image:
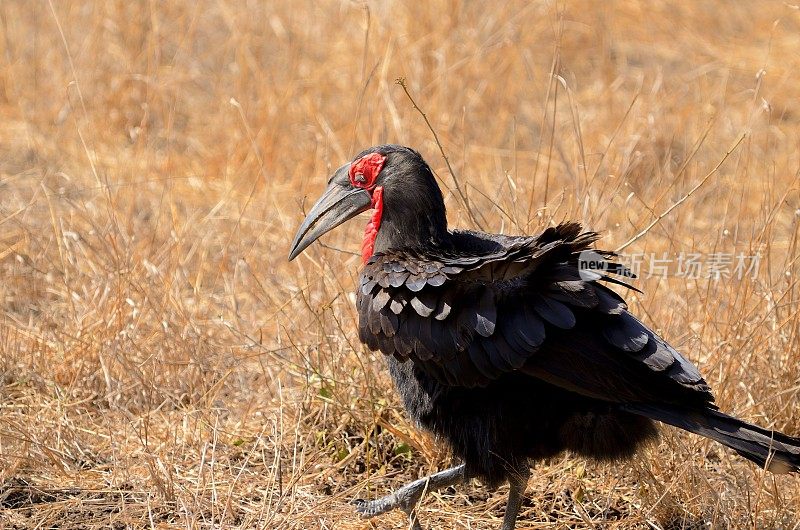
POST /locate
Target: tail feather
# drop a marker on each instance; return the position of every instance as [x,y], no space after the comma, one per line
[771,450]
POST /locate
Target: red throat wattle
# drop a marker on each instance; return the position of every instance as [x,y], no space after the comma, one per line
[374,224]
[363,174]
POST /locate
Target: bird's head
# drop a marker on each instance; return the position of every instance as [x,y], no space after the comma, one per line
[397,184]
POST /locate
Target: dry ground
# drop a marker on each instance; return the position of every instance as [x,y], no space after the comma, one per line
[162,365]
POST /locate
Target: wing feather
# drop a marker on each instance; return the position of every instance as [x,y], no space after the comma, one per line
[424,303]
[554,312]
[380,299]
[504,303]
[481,360]
[389,323]
[625,332]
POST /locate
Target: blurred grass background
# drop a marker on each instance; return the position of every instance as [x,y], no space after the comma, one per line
[162,365]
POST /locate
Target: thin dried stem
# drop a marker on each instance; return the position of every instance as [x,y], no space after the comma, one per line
[683,199]
[402,82]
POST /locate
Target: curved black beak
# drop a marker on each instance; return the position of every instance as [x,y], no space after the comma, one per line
[338,204]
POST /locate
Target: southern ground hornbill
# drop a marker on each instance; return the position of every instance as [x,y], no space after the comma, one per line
[503,346]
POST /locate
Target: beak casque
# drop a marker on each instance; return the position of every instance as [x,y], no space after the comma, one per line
[338,204]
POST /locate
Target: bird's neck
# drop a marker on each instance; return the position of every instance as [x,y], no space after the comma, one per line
[408,222]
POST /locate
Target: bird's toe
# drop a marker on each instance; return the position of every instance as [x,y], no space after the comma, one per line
[365,508]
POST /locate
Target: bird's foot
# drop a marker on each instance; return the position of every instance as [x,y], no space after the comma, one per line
[406,498]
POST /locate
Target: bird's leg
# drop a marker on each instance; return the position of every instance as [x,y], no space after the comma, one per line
[406,498]
[517,482]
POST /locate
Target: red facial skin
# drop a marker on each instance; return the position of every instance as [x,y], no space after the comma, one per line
[363,174]
[374,224]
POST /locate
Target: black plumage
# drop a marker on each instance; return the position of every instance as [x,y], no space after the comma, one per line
[503,349]
[527,357]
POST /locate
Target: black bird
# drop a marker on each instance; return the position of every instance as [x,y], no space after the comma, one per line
[506,347]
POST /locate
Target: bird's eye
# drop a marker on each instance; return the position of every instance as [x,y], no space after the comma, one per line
[360,178]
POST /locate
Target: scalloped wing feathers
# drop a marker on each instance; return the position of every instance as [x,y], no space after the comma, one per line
[467,318]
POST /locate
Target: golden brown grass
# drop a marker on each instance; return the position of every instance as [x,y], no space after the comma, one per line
[164,366]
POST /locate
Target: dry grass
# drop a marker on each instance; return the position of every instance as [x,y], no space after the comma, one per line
[164,366]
